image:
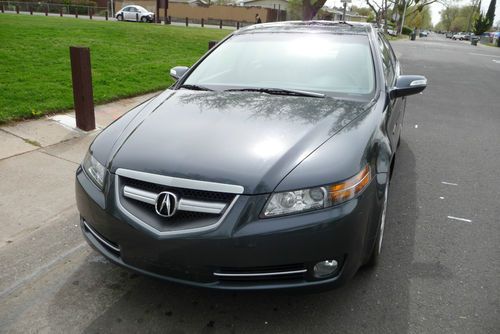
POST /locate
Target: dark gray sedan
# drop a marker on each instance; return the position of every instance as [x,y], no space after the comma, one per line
[265,166]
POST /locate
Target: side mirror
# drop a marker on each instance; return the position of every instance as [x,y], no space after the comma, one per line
[408,85]
[178,71]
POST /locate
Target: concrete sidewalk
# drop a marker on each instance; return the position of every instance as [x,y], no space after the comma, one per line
[38,159]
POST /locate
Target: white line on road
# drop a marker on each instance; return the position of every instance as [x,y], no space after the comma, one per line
[484,55]
[449,183]
[461,219]
[40,270]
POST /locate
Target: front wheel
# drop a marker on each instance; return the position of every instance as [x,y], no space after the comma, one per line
[375,254]
[144,19]
[119,17]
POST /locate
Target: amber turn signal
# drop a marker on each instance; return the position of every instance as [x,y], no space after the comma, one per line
[346,190]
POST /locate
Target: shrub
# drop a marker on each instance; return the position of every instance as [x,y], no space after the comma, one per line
[406,30]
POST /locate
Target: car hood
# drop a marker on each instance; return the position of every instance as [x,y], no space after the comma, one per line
[249,139]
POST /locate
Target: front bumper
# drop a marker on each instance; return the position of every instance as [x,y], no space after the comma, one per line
[242,243]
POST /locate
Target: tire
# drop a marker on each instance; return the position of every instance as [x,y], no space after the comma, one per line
[377,245]
[119,17]
[144,19]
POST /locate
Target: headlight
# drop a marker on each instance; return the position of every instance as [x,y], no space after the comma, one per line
[316,198]
[94,170]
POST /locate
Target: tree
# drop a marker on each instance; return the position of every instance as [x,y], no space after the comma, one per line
[481,25]
[448,15]
[310,8]
[490,14]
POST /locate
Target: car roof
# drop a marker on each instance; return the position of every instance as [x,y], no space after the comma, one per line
[335,27]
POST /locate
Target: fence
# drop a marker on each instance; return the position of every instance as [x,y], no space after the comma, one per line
[53,8]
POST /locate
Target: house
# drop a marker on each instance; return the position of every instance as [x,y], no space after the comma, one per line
[336,14]
[273,4]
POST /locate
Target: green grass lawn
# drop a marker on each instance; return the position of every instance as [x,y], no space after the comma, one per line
[127,59]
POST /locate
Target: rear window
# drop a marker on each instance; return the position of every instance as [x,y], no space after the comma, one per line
[338,65]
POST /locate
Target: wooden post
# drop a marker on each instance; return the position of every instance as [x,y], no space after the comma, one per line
[90,13]
[136,17]
[165,14]
[237,25]
[220,24]
[106,15]
[3,9]
[61,12]
[76,13]
[187,22]
[47,10]
[211,44]
[31,10]
[17,9]
[157,11]
[202,22]
[82,87]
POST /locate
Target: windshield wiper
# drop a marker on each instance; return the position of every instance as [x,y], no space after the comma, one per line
[277,91]
[195,87]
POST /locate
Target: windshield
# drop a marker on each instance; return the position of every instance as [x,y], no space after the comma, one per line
[336,65]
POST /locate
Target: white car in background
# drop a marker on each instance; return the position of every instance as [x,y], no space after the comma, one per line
[459,36]
[135,13]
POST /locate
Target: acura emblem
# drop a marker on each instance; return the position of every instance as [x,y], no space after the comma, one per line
[166,204]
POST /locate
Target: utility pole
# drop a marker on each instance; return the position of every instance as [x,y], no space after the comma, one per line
[345,9]
[403,18]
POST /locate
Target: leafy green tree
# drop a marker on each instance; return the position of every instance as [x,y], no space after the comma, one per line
[490,14]
[482,25]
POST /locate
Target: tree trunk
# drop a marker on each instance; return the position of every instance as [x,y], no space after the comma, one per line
[310,9]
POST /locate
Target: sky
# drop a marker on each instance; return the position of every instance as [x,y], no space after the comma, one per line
[435,7]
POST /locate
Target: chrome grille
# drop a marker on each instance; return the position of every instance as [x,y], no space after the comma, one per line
[197,210]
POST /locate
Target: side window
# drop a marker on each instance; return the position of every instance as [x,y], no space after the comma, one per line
[387,62]
[126,9]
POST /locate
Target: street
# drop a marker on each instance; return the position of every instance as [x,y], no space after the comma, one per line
[440,265]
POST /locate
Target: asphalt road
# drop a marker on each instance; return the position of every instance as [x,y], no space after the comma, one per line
[437,274]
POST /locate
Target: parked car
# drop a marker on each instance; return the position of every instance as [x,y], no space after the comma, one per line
[135,13]
[449,34]
[469,35]
[459,36]
[265,166]
[423,33]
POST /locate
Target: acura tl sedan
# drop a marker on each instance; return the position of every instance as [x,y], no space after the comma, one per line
[265,166]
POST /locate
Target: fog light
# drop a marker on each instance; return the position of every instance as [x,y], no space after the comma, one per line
[325,268]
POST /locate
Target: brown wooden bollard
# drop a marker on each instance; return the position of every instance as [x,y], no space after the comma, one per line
[202,22]
[136,17]
[106,15]
[211,44]
[169,19]
[76,13]
[237,25]
[90,13]
[47,10]
[187,22]
[3,10]
[220,24]
[17,9]
[82,87]
[61,12]
[31,10]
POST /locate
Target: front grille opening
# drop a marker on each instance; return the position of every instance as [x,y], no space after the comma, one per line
[109,245]
[182,220]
